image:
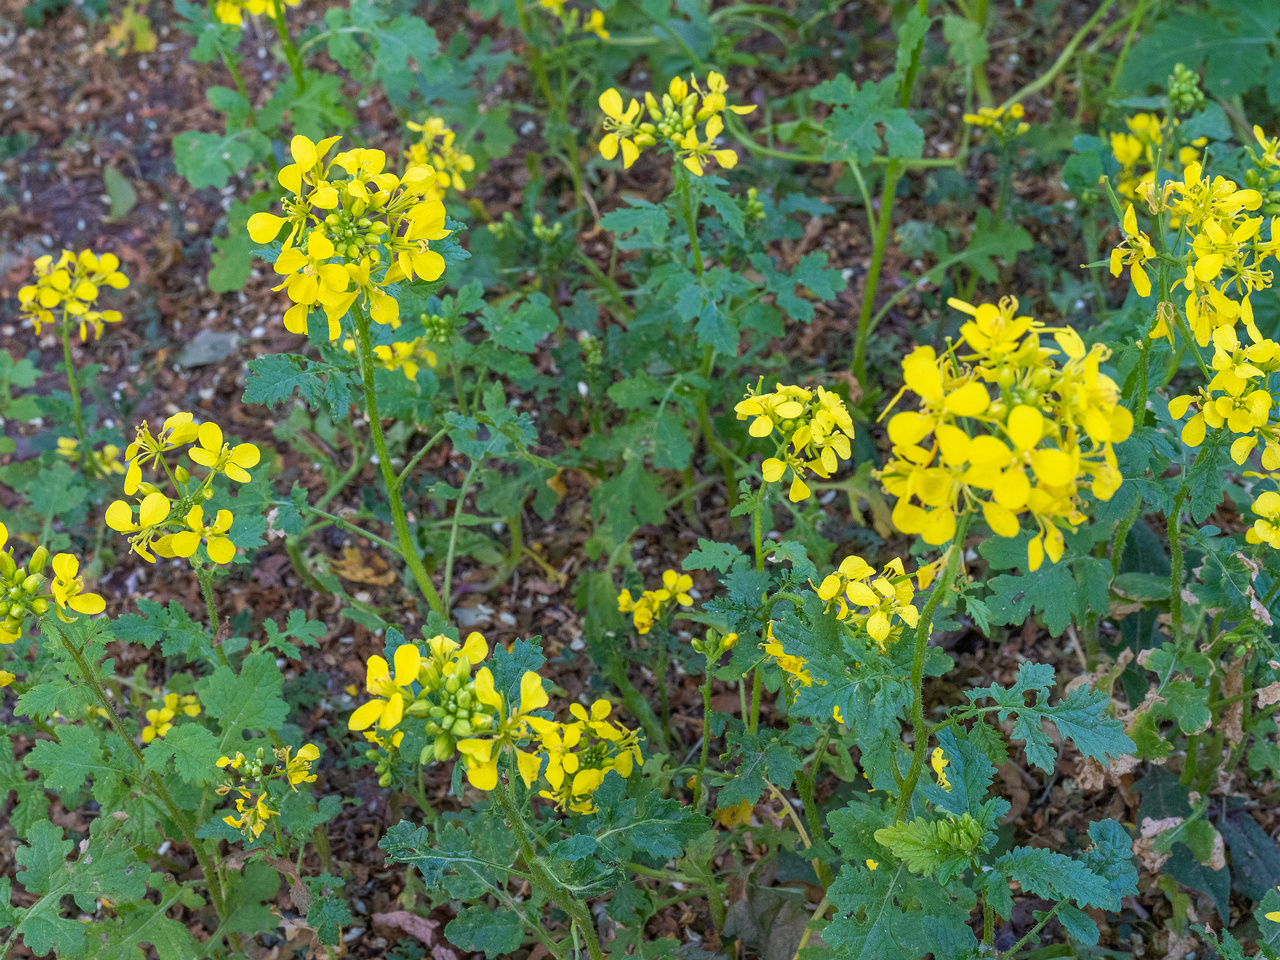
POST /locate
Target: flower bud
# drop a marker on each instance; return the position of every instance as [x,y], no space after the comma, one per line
[437,712]
[451,685]
[419,709]
[442,749]
[38,560]
[8,566]
[182,474]
[32,583]
[384,780]
[432,728]
[461,729]
[464,699]
[448,722]
[40,606]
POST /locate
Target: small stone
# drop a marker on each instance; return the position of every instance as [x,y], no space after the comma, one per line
[208,346]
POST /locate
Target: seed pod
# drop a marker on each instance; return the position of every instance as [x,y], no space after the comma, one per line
[38,560]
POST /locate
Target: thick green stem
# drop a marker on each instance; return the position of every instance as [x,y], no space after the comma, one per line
[1174,534]
[884,219]
[286,42]
[408,549]
[86,459]
[925,627]
[205,577]
[552,887]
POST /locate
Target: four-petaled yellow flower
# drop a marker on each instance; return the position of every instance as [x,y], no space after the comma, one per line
[220,457]
[480,754]
[68,589]
[184,543]
[387,707]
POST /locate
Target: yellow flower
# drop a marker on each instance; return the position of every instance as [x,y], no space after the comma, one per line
[1139,251]
[387,707]
[159,722]
[311,280]
[620,127]
[738,814]
[298,768]
[220,457]
[6,678]
[693,153]
[1005,122]
[185,542]
[872,864]
[148,451]
[72,285]
[595,24]
[938,760]
[68,589]
[792,665]
[1266,529]
[152,512]
[480,755]
[253,816]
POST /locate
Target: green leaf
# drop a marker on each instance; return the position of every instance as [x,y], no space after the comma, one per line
[171,626]
[249,701]
[713,556]
[194,749]
[143,922]
[497,933]
[275,377]
[57,491]
[309,633]
[648,221]
[1082,717]
[810,274]
[627,501]
[520,330]
[761,757]
[64,765]
[232,260]
[328,915]
[966,40]
[119,191]
[655,826]
[854,127]
[250,894]
[1146,587]
[1053,876]
[208,160]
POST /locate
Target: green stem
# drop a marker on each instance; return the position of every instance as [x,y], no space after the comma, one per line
[408,549]
[86,460]
[458,387]
[551,887]
[925,627]
[757,684]
[892,174]
[616,672]
[806,784]
[1042,81]
[699,790]
[1013,951]
[205,576]
[757,540]
[1175,565]
[417,457]
[286,42]
[453,531]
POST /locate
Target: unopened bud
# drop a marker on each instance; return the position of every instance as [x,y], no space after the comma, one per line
[442,749]
[38,560]
[8,566]
[419,709]
[40,606]
[32,583]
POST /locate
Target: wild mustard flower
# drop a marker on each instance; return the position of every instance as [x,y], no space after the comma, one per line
[1005,429]
[1135,250]
[886,598]
[389,692]
[1266,529]
[582,752]
[297,769]
[232,11]
[23,589]
[1005,122]
[480,754]
[175,527]
[793,665]
[371,225]
[447,162]
[814,431]
[71,285]
[672,122]
[404,356]
[1136,148]
[654,605]
[106,462]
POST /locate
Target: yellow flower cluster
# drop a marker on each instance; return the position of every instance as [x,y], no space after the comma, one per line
[1136,148]
[403,356]
[26,591]
[1004,429]
[104,462]
[1005,122]
[569,19]
[814,433]
[444,160]
[672,121]
[160,717]
[581,753]
[793,665]
[653,605]
[232,11]
[885,598]
[254,777]
[176,527]
[468,717]
[343,216]
[71,286]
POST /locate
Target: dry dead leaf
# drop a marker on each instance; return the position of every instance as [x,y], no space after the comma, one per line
[360,567]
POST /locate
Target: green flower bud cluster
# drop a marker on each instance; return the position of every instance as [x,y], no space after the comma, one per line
[451,708]
[351,233]
[715,645]
[592,350]
[20,589]
[1185,94]
[1266,180]
[753,209]
[437,329]
[505,227]
[673,121]
[543,232]
[963,834]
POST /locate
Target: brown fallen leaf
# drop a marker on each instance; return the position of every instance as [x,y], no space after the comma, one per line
[360,567]
[412,924]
